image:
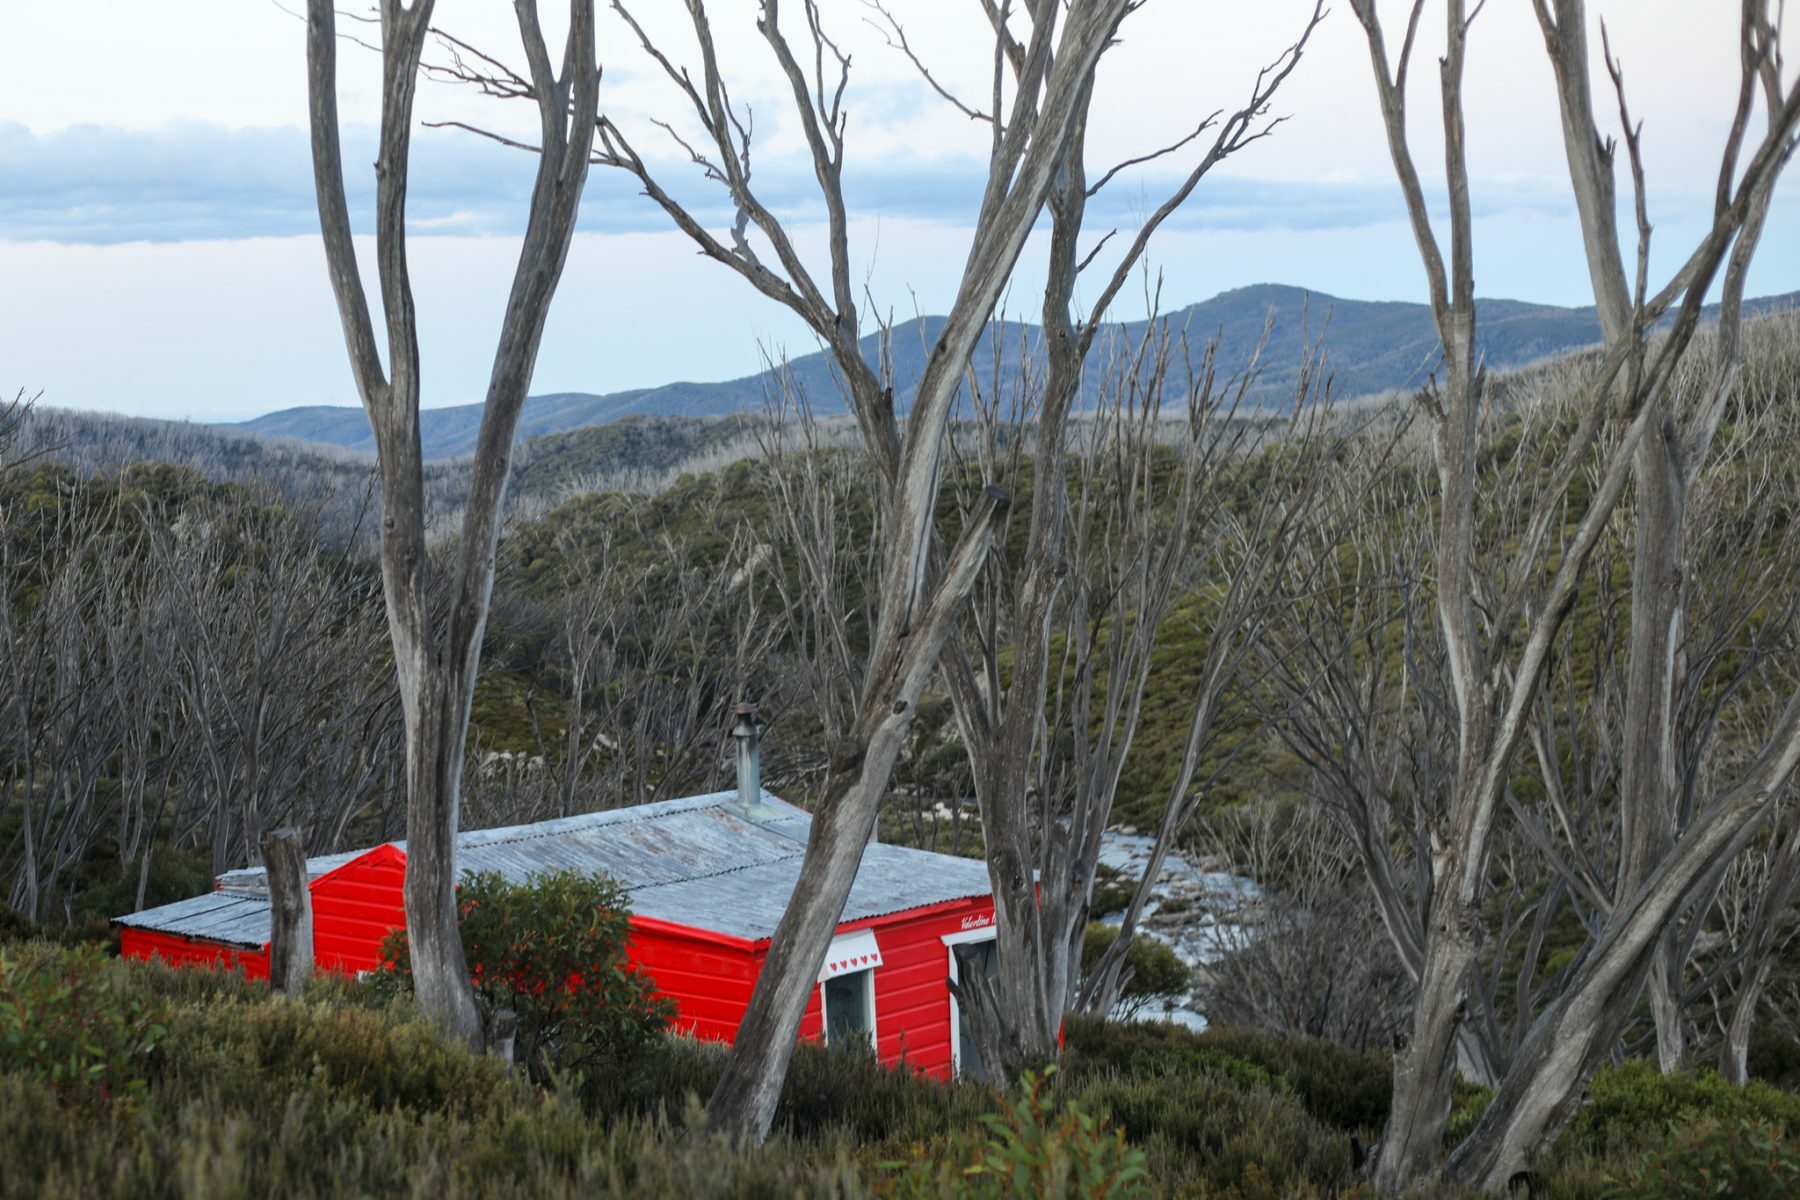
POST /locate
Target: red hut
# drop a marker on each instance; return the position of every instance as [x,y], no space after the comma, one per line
[709,877]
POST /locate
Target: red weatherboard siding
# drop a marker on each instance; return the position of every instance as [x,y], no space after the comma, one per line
[708,975]
[912,990]
[180,951]
[354,909]
[709,979]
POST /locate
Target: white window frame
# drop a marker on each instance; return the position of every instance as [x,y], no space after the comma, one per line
[857,946]
[868,974]
[985,933]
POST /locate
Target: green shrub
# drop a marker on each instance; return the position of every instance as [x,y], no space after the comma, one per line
[15,926]
[258,1053]
[1032,1149]
[1207,1129]
[313,1145]
[1150,1050]
[1346,1088]
[678,1069]
[1774,1056]
[844,1089]
[1113,890]
[1633,1104]
[1746,1159]
[552,950]
[1339,1087]
[70,1019]
[1468,1104]
[1158,976]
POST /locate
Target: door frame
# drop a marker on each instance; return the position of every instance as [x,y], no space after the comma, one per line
[985,933]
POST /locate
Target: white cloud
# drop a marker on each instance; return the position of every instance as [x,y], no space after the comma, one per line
[157,222]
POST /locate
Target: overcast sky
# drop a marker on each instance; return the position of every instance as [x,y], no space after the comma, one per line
[158,237]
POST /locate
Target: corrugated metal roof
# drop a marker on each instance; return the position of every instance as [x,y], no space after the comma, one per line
[748,903]
[232,917]
[255,880]
[696,861]
[646,846]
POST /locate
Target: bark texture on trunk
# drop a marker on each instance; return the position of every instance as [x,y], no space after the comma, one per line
[1491,692]
[1760,957]
[290,911]
[1054,75]
[1575,1033]
[1028,817]
[1659,872]
[436,660]
[743,1104]
[1734,1049]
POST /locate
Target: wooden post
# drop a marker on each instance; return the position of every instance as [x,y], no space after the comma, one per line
[503,1032]
[290,911]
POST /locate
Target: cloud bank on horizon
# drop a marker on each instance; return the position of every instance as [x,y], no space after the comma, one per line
[197,181]
[158,227]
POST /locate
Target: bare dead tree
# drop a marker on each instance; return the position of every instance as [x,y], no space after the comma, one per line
[13,413]
[1029,821]
[436,659]
[1238,552]
[274,680]
[1363,696]
[179,665]
[919,598]
[1755,926]
[1498,642]
[1671,457]
[1146,478]
[822,560]
[1304,954]
[290,911]
[1660,870]
[60,733]
[1737,625]
[139,650]
[651,642]
[1356,686]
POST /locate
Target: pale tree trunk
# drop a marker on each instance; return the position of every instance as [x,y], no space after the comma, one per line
[1668,463]
[1575,1033]
[1041,917]
[914,619]
[1760,955]
[1734,1050]
[290,911]
[1491,693]
[436,661]
[1056,62]
[1648,777]
[1649,782]
[1660,872]
[744,1104]
[1375,731]
[1424,1066]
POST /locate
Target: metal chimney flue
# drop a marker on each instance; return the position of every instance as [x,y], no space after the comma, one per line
[748,732]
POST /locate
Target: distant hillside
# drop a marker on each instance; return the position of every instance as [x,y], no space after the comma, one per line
[1372,347]
[632,453]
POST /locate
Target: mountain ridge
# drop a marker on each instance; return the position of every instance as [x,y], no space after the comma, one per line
[1371,346]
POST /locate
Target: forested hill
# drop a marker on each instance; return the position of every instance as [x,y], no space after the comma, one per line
[1373,347]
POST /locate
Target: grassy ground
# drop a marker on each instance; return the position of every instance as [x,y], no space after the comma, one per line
[123,1079]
